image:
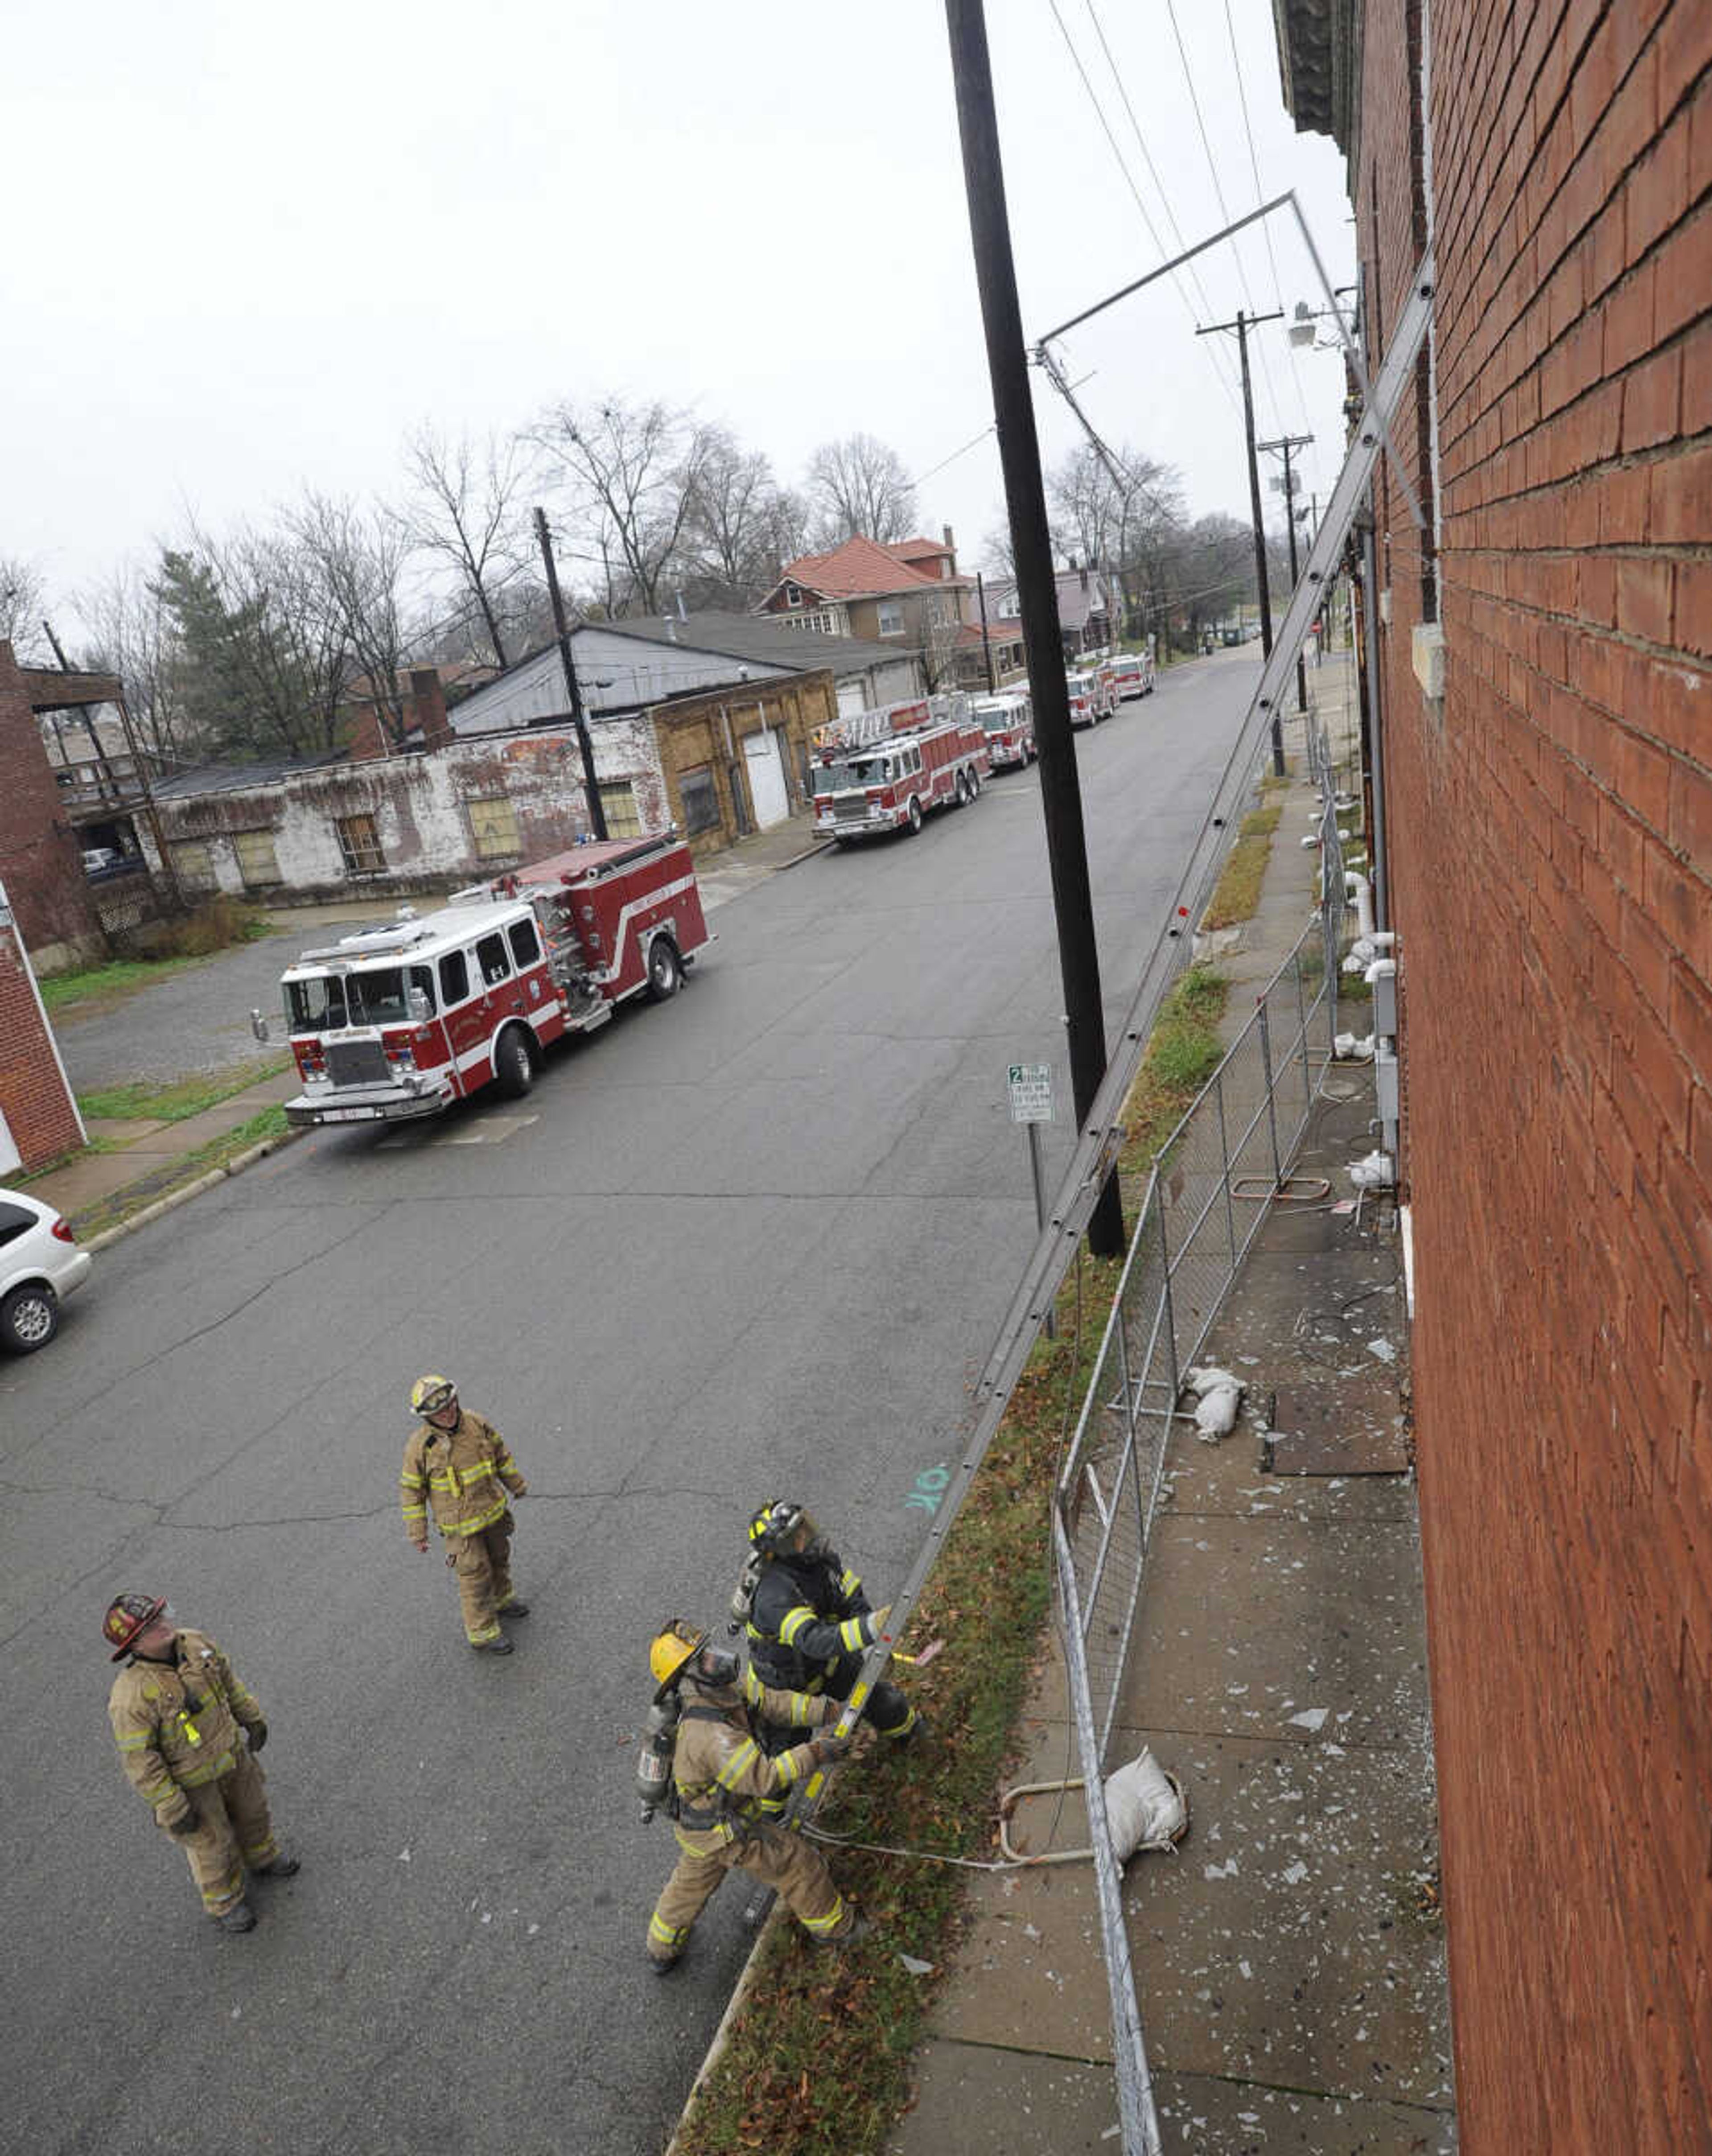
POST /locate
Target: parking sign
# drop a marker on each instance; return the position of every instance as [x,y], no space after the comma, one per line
[1031,1092]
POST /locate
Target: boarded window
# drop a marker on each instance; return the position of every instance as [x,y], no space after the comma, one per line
[256,861]
[193,861]
[493,821]
[700,798]
[455,977]
[360,843]
[618,806]
[525,944]
[494,966]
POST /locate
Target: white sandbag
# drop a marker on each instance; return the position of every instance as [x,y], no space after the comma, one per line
[1374,1171]
[1349,1048]
[1143,1807]
[1216,1412]
[1205,1377]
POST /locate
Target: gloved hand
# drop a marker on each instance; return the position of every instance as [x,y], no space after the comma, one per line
[258,1735]
[183,1826]
[875,1621]
[829,1746]
[420,1548]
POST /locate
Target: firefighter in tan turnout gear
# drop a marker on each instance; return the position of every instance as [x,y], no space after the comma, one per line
[460,1466]
[177,1708]
[718,1777]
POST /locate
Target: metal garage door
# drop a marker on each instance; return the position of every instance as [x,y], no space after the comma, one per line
[766,778]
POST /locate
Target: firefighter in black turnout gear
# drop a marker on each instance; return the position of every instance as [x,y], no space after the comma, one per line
[809,1623]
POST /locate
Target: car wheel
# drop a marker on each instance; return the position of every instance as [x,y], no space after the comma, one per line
[514,1063]
[665,969]
[30,1318]
[915,815]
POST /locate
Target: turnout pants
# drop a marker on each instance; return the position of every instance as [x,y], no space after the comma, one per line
[232,1830]
[483,1564]
[782,1858]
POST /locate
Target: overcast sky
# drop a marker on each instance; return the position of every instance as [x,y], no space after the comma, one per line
[247,248]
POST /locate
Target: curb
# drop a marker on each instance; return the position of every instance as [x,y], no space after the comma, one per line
[721,2035]
[174,1199]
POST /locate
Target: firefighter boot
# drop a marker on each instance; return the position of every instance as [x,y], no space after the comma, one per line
[513,1607]
[501,1645]
[240,1917]
[281,1867]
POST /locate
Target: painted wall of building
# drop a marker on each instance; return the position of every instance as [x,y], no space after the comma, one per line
[1551,829]
[424,811]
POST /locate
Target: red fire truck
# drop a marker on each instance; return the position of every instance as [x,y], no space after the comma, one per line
[1091,696]
[1008,720]
[393,1022]
[883,770]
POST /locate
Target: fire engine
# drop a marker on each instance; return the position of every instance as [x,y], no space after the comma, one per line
[1091,698]
[883,770]
[393,1022]
[1008,720]
[1130,674]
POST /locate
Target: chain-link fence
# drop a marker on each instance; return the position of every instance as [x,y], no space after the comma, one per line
[1208,1193]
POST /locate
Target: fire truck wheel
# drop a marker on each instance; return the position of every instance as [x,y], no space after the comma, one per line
[915,815]
[514,1063]
[665,969]
[963,789]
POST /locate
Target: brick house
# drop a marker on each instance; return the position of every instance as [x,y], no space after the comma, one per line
[1549,873]
[38,1115]
[41,861]
[907,592]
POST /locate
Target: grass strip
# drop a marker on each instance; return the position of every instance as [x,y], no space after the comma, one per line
[120,1205]
[819,2063]
[118,976]
[184,1097]
[1238,893]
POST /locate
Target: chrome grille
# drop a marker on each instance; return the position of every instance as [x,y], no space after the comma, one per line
[357,1063]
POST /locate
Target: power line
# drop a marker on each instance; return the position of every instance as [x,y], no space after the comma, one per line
[1266,229]
[1218,192]
[1129,177]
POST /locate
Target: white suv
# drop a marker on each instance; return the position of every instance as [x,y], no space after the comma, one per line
[39,1264]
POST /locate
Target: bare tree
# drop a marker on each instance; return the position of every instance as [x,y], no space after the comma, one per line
[355,559]
[1116,512]
[631,472]
[464,508]
[132,635]
[858,485]
[730,532]
[998,554]
[22,593]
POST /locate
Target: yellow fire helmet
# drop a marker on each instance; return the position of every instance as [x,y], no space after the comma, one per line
[671,1649]
[429,1395]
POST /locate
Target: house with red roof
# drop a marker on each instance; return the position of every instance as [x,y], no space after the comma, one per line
[907,593]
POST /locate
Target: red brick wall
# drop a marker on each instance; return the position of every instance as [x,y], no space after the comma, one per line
[40,862]
[1551,835]
[33,1096]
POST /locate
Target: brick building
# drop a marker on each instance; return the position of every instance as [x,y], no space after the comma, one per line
[41,862]
[1549,852]
[38,1118]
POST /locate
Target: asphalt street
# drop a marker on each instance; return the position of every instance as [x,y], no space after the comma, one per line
[755,1242]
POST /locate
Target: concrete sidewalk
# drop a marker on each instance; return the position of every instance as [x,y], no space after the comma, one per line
[1289,1956]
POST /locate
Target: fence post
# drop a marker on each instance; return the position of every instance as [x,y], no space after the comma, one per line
[1224,1159]
[1271,1097]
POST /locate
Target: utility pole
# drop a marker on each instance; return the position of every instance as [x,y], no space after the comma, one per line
[1036,592]
[985,640]
[590,790]
[1285,444]
[1241,326]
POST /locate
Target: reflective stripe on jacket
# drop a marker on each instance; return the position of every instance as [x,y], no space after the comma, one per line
[176,1724]
[720,1768]
[806,1612]
[467,1475]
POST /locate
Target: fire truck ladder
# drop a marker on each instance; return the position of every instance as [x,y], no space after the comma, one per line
[1094,1159]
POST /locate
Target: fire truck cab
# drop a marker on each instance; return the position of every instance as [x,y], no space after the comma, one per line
[1091,696]
[1008,720]
[1130,674]
[883,770]
[391,1024]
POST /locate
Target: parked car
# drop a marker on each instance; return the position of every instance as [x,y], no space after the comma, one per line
[97,858]
[40,1265]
